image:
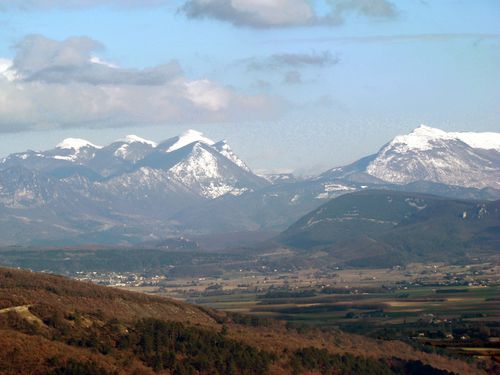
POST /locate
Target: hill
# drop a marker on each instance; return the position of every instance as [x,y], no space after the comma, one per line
[379,227]
[50,324]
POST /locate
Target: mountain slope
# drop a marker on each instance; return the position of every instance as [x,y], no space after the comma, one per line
[387,227]
[50,324]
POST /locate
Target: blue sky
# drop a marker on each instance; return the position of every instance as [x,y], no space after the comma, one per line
[292,84]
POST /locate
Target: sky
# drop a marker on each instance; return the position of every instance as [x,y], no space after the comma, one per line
[293,85]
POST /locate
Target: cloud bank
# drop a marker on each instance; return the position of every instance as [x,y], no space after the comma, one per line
[61,84]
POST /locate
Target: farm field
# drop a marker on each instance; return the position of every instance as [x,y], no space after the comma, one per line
[322,307]
[463,321]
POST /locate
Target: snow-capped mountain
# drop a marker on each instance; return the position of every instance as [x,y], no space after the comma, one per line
[455,165]
[202,166]
[427,154]
[189,137]
[131,183]
[135,189]
[70,150]
[75,150]
[132,148]
[212,173]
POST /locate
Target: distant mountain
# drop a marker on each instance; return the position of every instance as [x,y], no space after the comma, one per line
[429,154]
[206,168]
[128,189]
[135,190]
[381,227]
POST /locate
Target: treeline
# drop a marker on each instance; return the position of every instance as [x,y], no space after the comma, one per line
[191,350]
[313,359]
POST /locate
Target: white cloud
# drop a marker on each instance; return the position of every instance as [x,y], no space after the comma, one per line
[207,94]
[60,84]
[73,60]
[6,70]
[97,60]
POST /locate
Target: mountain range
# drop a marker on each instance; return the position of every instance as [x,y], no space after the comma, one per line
[136,190]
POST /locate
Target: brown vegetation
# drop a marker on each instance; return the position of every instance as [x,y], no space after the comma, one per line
[62,324]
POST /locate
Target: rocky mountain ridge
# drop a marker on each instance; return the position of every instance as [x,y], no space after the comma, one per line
[135,190]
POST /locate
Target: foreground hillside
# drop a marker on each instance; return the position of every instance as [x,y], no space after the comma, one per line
[385,228]
[50,324]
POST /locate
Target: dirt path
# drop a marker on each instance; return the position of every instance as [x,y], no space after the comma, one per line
[24,312]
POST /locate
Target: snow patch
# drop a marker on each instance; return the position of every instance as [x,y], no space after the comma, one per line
[131,138]
[75,144]
[424,137]
[486,141]
[189,137]
[416,203]
[60,157]
[223,148]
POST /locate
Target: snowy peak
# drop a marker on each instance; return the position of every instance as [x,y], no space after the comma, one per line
[425,138]
[131,138]
[225,150]
[422,138]
[429,154]
[211,174]
[133,147]
[187,138]
[75,144]
[205,161]
[74,150]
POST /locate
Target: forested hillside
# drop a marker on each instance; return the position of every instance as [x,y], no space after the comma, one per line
[50,324]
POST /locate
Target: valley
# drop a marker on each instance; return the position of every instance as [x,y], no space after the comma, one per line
[442,308]
[451,310]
